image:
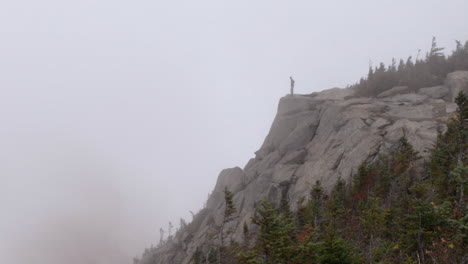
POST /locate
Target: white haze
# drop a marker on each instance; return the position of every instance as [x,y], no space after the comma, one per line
[117,116]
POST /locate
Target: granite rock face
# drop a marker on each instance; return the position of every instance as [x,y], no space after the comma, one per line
[322,136]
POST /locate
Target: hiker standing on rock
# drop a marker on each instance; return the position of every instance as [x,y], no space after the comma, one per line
[292,85]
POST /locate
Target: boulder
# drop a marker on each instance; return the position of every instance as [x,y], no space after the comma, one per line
[456,82]
[436,92]
[234,179]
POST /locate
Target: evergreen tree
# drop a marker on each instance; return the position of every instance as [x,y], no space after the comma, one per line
[437,62]
[285,208]
[373,219]
[229,215]
[213,256]
[336,208]
[246,235]
[197,257]
[316,199]
[335,250]
[449,151]
[458,61]
[275,241]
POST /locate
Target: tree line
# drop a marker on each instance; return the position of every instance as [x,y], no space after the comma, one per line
[427,71]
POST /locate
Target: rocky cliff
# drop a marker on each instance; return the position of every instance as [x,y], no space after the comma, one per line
[321,136]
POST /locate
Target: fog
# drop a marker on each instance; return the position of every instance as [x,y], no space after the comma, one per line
[117,116]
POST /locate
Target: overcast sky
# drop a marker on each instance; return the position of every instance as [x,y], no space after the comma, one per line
[117,116]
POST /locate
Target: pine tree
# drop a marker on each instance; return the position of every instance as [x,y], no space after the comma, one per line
[303,213]
[316,198]
[285,208]
[336,208]
[197,257]
[459,58]
[335,250]
[437,62]
[373,219]
[213,256]
[245,235]
[275,242]
[449,151]
[229,215]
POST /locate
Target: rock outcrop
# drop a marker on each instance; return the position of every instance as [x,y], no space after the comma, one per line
[322,136]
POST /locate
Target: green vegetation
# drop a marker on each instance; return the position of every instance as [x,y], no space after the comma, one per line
[398,209]
[423,72]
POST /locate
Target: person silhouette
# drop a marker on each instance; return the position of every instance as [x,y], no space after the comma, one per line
[292,85]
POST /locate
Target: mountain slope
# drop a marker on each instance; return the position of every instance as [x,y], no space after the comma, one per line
[322,136]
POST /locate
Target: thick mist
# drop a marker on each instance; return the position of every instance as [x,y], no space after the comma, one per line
[117,116]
